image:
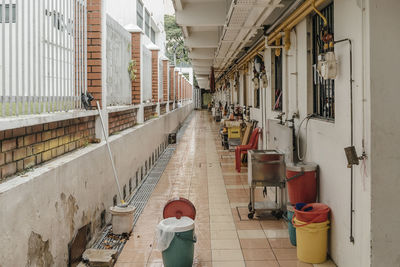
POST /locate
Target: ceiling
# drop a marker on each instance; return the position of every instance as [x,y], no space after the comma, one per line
[216,32]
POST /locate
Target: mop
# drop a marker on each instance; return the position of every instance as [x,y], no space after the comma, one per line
[123,204]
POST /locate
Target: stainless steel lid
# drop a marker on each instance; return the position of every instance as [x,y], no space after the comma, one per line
[298,167]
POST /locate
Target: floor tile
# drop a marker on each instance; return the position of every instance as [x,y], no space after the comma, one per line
[254,243]
[293,263]
[276,233]
[258,254]
[225,244]
[249,234]
[227,255]
[271,263]
[280,243]
[229,264]
[285,253]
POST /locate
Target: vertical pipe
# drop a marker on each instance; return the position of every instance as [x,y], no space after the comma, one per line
[51,57]
[43,38]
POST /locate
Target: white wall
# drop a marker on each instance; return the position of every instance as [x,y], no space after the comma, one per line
[55,200]
[384,36]
[326,140]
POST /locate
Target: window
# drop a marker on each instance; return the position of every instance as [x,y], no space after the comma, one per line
[147,24]
[139,13]
[323,90]
[153,36]
[7,14]
[277,82]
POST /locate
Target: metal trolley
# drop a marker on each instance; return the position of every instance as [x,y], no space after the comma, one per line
[267,169]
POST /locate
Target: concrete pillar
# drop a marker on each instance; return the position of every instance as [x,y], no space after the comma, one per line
[96,59]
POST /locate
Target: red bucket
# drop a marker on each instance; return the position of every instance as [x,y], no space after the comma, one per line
[318,214]
[302,182]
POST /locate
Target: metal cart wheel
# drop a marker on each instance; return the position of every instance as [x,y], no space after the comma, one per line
[250,215]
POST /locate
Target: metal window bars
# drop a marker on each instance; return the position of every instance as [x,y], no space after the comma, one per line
[323,90]
[43,59]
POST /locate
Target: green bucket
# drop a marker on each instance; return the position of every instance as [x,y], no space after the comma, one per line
[180,251]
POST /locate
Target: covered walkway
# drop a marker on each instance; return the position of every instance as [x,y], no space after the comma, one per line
[203,172]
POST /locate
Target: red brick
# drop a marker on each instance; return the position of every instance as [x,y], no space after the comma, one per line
[18,132]
[9,144]
[19,154]
[29,139]
[8,169]
[29,162]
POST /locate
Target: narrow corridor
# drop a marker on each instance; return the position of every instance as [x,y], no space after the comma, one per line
[203,172]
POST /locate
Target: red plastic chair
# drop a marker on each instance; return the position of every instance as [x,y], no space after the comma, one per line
[253,142]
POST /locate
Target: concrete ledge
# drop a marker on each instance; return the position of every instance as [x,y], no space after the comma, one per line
[14,122]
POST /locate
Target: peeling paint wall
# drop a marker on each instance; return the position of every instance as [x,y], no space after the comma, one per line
[42,210]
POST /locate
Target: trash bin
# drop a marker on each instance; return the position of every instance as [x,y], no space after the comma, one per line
[176,235]
[312,241]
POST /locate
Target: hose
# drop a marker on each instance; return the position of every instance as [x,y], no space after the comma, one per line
[301,158]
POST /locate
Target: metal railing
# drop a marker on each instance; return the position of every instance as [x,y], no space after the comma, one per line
[43,57]
[118,59]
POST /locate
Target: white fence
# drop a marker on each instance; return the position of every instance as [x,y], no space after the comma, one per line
[147,70]
[42,55]
[118,58]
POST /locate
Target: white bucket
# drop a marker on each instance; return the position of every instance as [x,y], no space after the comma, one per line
[122,219]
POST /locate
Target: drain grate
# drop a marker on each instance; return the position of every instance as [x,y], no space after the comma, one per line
[107,239]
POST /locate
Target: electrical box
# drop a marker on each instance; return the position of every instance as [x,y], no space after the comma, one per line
[327,66]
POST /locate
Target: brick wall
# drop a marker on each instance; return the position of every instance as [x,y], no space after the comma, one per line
[150,112]
[136,50]
[94,48]
[118,121]
[154,75]
[165,80]
[25,147]
[163,108]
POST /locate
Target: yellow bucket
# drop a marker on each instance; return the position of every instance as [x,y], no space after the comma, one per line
[312,241]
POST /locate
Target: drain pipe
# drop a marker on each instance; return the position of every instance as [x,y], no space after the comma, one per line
[351,137]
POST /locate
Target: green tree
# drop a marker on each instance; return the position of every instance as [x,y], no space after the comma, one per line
[175,42]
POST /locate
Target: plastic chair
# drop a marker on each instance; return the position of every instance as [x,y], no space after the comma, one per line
[253,142]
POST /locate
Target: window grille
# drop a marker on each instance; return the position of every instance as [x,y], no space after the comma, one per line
[277,89]
[139,13]
[147,23]
[153,36]
[323,90]
[8,14]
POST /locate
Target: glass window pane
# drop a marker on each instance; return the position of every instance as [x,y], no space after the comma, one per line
[7,16]
[153,36]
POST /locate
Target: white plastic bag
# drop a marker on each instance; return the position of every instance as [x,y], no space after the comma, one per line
[167,228]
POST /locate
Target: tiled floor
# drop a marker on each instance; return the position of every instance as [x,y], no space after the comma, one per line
[203,172]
